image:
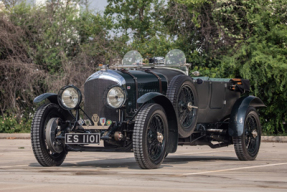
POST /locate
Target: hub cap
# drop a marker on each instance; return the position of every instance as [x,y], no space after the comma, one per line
[159,137]
[254,133]
[51,132]
[189,106]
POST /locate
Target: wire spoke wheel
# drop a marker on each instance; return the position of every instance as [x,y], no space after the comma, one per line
[247,145]
[150,136]
[182,93]
[44,153]
[185,98]
[251,135]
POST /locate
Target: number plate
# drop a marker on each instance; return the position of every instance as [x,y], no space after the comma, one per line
[82,138]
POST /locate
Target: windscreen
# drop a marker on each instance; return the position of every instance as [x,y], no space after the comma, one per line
[132,58]
[175,57]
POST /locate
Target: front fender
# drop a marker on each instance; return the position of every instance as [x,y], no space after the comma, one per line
[171,117]
[52,97]
[148,96]
[238,114]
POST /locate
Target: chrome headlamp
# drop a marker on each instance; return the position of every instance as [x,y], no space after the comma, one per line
[69,97]
[116,97]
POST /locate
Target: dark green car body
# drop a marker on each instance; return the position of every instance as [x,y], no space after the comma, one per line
[216,109]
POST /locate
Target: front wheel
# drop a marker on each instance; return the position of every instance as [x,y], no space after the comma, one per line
[150,136]
[47,150]
[247,145]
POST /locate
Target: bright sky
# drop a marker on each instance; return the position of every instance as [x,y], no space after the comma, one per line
[98,4]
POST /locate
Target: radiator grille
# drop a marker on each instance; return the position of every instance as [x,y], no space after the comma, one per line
[95,99]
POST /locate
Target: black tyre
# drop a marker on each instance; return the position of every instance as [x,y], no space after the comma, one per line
[150,136]
[45,156]
[183,95]
[247,145]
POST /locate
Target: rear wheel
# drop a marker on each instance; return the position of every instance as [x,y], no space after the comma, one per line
[47,150]
[247,145]
[150,136]
[183,95]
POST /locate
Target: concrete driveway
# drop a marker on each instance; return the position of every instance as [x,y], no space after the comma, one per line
[191,168]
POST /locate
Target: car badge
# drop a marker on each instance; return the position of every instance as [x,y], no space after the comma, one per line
[103,121]
[88,122]
[109,122]
[95,119]
[81,122]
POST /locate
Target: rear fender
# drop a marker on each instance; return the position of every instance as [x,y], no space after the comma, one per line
[238,114]
[171,117]
[52,97]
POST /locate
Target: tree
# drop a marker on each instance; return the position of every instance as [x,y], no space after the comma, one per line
[260,55]
[137,19]
[11,3]
[43,49]
[244,39]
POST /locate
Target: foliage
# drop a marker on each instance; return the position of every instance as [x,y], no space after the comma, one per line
[212,72]
[42,49]
[244,39]
[137,19]
[11,3]
[157,46]
[261,57]
[195,7]
[10,124]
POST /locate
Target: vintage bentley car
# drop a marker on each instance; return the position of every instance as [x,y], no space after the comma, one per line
[149,110]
